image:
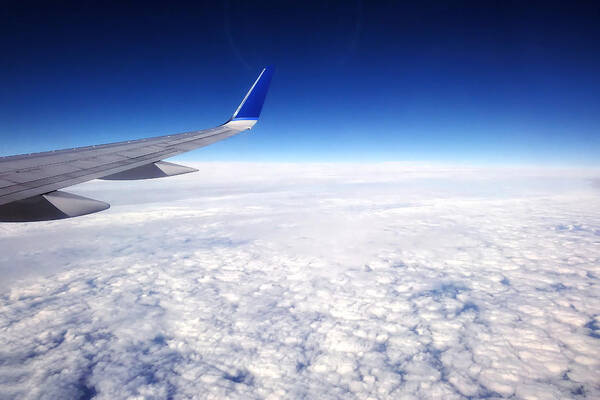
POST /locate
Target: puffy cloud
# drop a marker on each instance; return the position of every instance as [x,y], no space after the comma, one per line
[317,281]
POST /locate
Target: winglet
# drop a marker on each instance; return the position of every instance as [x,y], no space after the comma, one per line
[252,104]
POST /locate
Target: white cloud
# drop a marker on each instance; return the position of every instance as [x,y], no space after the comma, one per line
[322,281]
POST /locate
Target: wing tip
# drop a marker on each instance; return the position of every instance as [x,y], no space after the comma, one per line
[251,106]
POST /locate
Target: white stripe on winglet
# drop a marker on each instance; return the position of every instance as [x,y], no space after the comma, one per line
[248,94]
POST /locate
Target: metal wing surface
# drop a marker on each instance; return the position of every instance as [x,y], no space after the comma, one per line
[29,182]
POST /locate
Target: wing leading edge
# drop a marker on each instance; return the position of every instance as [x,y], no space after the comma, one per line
[30,183]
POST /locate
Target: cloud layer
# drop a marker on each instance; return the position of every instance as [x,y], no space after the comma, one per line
[310,281]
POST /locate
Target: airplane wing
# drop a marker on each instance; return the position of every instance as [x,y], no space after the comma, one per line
[30,183]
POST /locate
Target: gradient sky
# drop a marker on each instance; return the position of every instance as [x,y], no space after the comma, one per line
[355,81]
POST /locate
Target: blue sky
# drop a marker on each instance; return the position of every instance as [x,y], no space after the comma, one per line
[466,83]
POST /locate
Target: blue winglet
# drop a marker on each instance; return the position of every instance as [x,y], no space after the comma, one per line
[255,98]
